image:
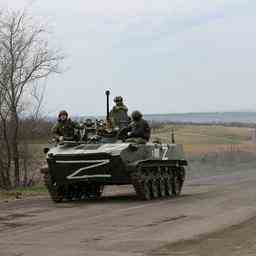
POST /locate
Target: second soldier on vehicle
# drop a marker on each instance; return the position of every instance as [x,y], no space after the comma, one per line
[139,130]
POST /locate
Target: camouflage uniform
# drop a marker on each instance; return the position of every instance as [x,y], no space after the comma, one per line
[119,114]
[65,128]
[139,130]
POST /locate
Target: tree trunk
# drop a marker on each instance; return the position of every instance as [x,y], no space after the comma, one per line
[15,147]
[5,158]
[16,163]
[5,181]
[25,163]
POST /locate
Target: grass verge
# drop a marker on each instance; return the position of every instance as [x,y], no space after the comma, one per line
[23,192]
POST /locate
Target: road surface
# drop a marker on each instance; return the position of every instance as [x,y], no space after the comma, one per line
[213,216]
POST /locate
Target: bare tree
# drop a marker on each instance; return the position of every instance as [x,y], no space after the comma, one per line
[25,58]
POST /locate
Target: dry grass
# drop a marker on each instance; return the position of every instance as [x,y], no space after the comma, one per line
[22,193]
[203,139]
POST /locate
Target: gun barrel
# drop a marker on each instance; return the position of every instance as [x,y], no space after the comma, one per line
[107,94]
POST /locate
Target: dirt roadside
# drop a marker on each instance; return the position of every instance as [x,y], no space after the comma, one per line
[119,224]
[236,240]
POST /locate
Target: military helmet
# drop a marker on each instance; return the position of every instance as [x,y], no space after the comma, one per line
[118,99]
[63,113]
[88,122]
[136,115]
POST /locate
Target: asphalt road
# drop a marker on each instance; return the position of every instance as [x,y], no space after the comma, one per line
[210,211]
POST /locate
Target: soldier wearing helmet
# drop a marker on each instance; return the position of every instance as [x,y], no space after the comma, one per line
[64,129]
[139,130]
[119,114]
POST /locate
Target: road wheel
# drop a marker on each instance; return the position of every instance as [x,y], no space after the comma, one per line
[161,187]
[56,192]
[95,191]
[168,186]
[99,190]
[177,185]
[154,188]
[146,190]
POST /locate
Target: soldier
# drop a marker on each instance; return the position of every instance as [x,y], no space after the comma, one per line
[138,130]
[119,114]
[64,128]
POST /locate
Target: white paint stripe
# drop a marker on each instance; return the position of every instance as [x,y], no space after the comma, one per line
[81,161]
[98,163]
[90,176]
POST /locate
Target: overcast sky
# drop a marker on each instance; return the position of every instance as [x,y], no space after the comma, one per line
[162,56]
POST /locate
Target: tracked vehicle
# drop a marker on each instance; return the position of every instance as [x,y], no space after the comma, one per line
[80,170]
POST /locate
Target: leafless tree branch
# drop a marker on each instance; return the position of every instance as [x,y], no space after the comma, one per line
[25,58]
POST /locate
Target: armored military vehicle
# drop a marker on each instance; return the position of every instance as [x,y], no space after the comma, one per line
[80,170]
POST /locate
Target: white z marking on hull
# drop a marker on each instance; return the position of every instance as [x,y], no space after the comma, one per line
[95,163]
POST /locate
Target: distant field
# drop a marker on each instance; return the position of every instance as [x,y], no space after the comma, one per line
[203,139]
